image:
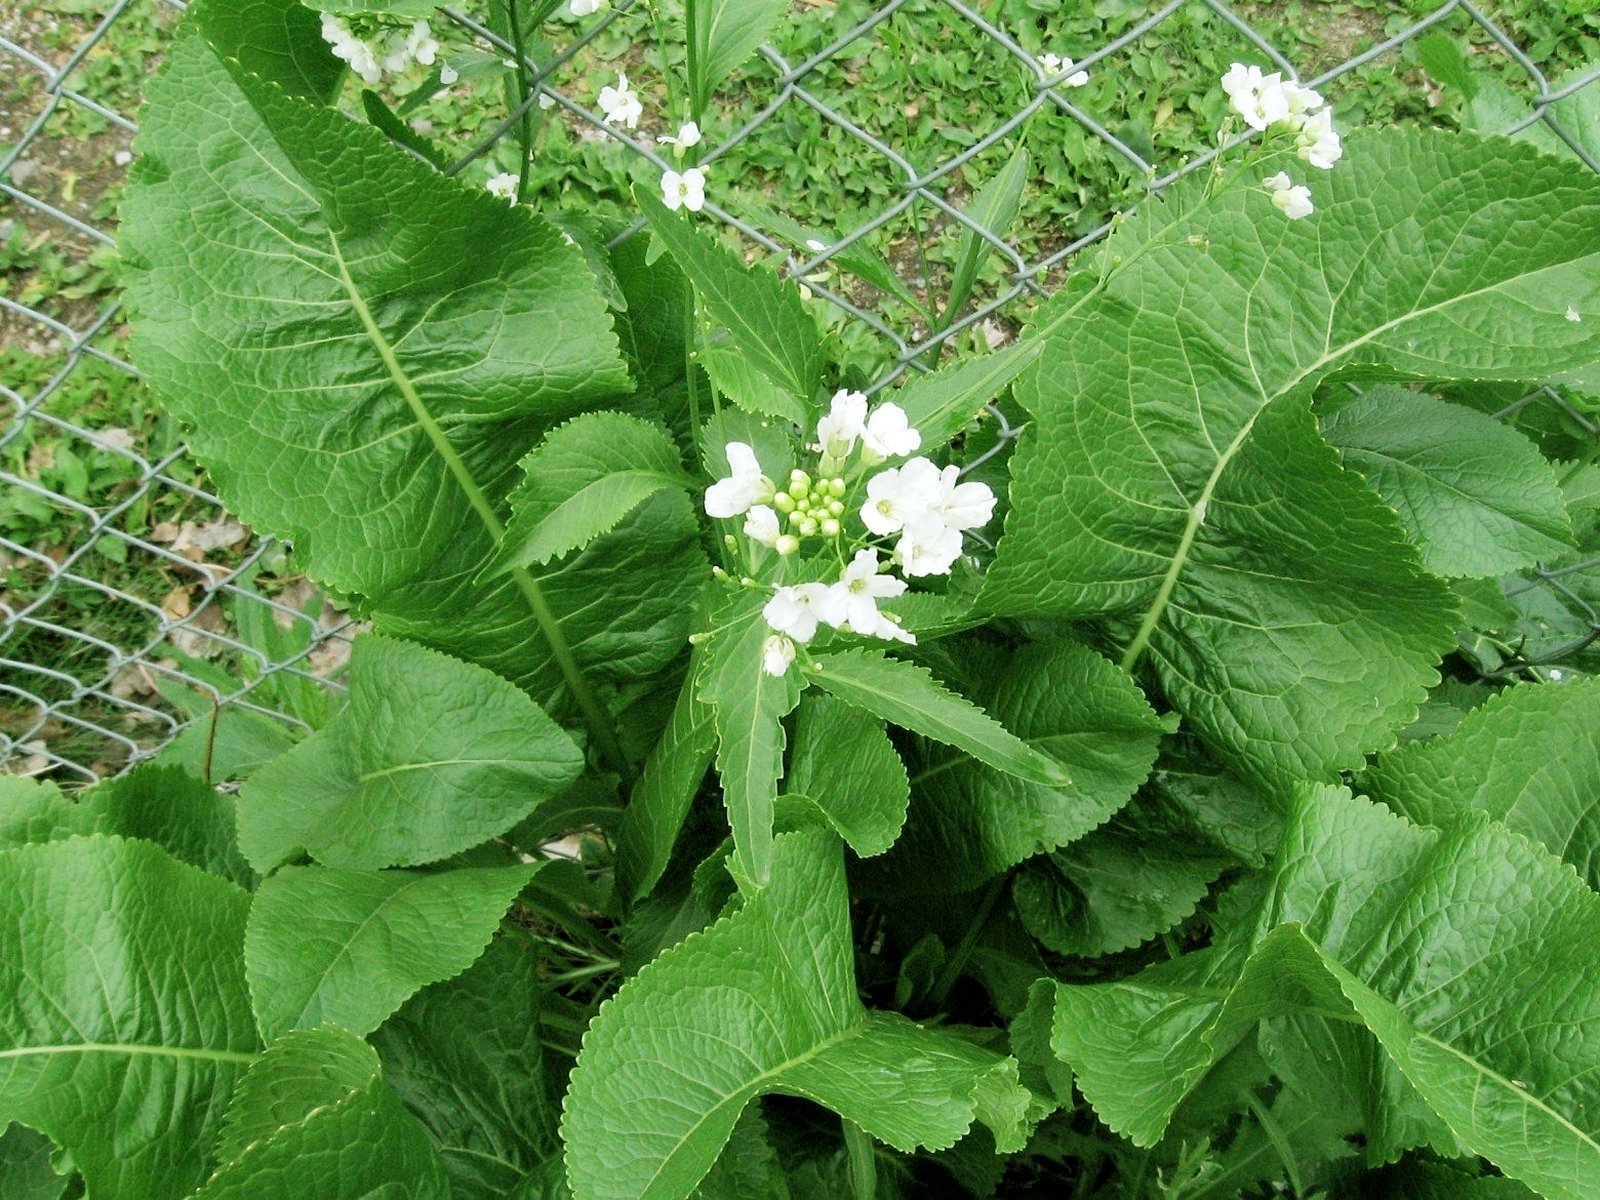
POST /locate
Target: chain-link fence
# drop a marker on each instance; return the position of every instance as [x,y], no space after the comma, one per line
[134,609]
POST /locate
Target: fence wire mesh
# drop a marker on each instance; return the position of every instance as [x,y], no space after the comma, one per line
[135,610]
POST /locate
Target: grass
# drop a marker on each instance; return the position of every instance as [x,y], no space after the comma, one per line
[927,81]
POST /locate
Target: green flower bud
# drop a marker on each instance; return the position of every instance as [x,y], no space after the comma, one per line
[836,508]
[787,544]
[830,528]
[808,527]
[783,502]
[836,487]
[797,519]
[799,483]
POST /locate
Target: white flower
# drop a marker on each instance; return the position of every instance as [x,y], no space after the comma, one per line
[962,505]
[122,157]
[855,597]
[796,610]
[350,49]
[901,495]
[1295,202]
[777,652]
[1302,100]
[688,135]
[448,75]
[745,486]
[1260,99]
[761,525]
[504,185]
[1317,142]
[420,45]
[1054,64]
[621,105]
[888,434]
[687,190]
[928,547]
[845,421]
[584,8]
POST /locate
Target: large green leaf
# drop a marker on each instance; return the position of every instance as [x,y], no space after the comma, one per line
[907,695]
[762,313]
[1406,931]
[1529,757]
[971,821]
[431,757]
[313,1119]
[765,1001]
[584,478]
[401,342]
[1477,495]
[748,707]
[328,946]
[1175,485]
[126,1020]
[843,760]
[465,1056]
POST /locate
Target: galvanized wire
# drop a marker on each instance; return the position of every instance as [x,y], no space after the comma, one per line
[82,723]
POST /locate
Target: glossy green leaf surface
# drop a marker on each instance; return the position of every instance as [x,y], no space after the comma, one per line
[765,1001]
[1175,483]
[328,946]
[1529,757]
[1476,495]
[124,981]
[430,757]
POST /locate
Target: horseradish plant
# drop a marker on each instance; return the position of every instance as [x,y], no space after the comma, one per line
[1168,803]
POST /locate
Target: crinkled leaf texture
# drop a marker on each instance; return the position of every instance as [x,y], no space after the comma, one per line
[1529,757]
[364,350]
[1477,495]
[765,1001]
[314,1120]
[1175,484]
[431,757]
[970,821]
[465,1056]
[328,946]
[1467,954]
[125,1021]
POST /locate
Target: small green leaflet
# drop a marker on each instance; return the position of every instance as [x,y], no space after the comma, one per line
[992,210]
[123,979]
[843,760]
[327,946]
[907,695]
[313,1119]
[1529,757]
[722,34]
[585,477]
[431,757]
[765,1001]
[749,706]
[762,313]
[1353,929]
[1477,496]
[1175,485]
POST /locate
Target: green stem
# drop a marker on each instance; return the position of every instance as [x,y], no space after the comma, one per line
[525,131]
[598,720]
[969,941]
[692,56]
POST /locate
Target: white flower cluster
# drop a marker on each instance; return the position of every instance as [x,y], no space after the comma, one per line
[372,59]
[923,507]
[1054,64]
[1265,101]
